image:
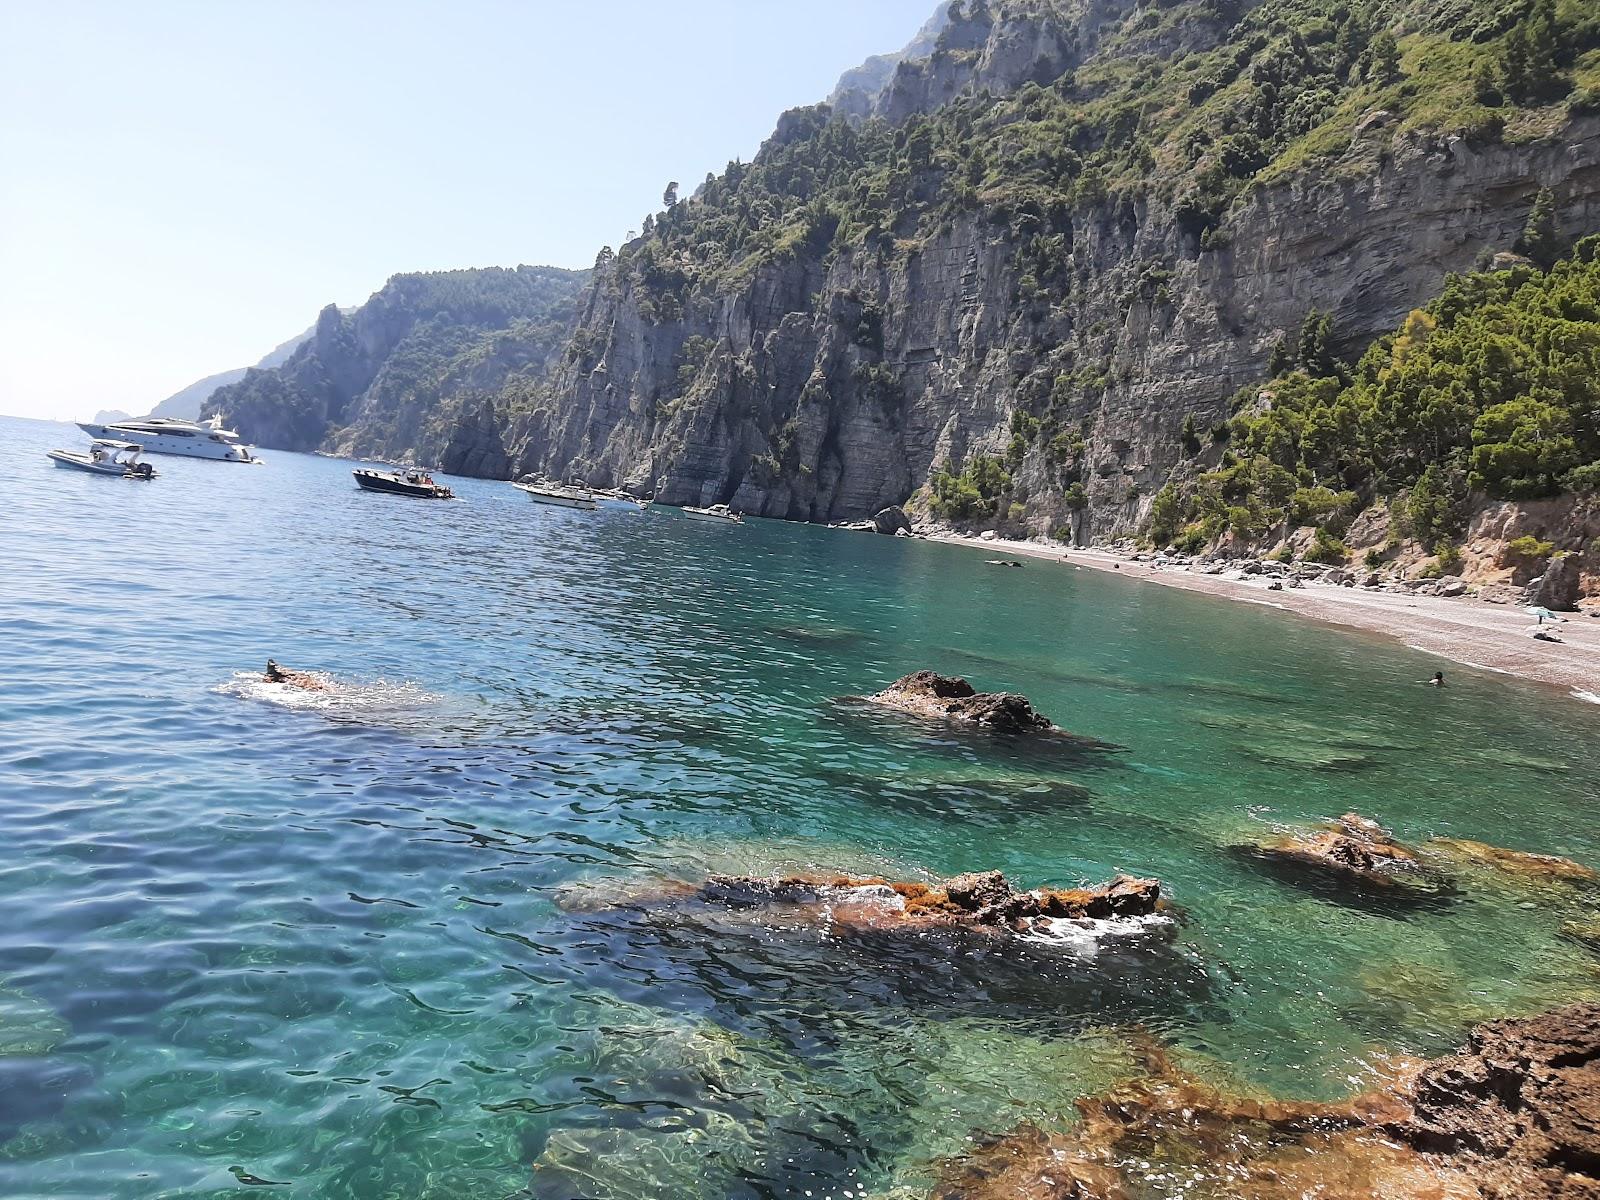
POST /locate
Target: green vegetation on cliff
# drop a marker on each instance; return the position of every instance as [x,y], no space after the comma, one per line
[1494,388]
[390,378]
[1192,99]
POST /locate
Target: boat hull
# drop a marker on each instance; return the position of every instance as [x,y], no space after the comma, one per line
[198,445]
[713,518]
[79,462]
[582,503]
[373,481]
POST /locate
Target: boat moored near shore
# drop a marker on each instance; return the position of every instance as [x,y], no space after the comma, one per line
[402,483]
[167,435]
[716,512]
[558,495]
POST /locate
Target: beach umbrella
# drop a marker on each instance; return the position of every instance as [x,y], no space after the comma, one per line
[1544,614]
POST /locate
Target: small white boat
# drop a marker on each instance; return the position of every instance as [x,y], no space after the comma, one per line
[542,491]
[106,458]
[717,512]
[619,500]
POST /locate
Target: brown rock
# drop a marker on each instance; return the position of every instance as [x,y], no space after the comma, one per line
[1514,1116]
[976,900]
[299,679]
[1354,851]
[1536,867]
[947,698]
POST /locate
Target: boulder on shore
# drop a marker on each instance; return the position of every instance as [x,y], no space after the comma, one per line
[948,698]
[892,521]
[1510,1117]
[1558,587]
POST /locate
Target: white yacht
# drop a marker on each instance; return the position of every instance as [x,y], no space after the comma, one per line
[717,512]
[167,435]
[544,491]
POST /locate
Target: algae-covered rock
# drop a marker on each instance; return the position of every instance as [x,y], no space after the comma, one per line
[1538,869]
[1353,853]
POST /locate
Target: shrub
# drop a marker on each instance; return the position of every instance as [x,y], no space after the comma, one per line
[1584,479]
[1449,559]
[1526,550]
[1325,548]
[1373,558]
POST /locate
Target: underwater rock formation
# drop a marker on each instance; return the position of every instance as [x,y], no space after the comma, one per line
[1534,868]
[1514,1115]
[948,698]
[984,901]
[1353,852]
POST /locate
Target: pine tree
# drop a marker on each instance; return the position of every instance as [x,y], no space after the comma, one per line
[1544,50]
[1542,239]
[1514,63]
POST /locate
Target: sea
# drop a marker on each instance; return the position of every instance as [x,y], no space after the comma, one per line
[424,934]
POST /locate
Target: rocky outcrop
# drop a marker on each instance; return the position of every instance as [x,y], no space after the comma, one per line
[1561,584]
[1511,1117]
[1538,869]
[982,901]
[303,680]
[1351,852]
[947,698]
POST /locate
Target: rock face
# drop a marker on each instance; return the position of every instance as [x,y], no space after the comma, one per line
[1519,1106]
[1514,1116]
[763,396]
[946,698]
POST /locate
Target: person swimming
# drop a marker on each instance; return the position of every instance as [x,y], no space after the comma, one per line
[1437,680]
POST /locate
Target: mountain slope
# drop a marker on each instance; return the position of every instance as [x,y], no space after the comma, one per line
[1069,234]
[396,376]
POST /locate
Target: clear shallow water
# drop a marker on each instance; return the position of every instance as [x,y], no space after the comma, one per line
[253,939]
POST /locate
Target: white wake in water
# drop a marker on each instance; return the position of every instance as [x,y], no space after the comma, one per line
[1589,697]
[1085,935]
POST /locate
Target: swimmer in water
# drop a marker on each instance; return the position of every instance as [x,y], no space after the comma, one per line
[1437,680]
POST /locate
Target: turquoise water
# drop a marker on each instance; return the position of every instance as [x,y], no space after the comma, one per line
[390,943]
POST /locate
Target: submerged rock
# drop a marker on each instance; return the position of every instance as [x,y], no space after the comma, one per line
[949,698]
[1353,852]
[1534,868]
[1511,1117]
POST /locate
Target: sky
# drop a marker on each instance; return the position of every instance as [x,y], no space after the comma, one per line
[183,185]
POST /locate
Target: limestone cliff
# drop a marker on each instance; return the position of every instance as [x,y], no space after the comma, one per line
[834,374]
[407,374]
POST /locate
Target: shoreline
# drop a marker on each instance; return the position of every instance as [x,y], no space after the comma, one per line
[1465,630]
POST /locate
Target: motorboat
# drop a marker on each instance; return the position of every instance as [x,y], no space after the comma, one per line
[168,435]
[106,457]
[559,495]
[402,483]
[717,512]
[620,500]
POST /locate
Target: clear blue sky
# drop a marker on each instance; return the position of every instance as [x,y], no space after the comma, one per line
[184,184]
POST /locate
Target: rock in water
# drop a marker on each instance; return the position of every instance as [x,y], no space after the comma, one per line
[948,698]
[299,679]
[1353,852]
[1514,1116]
[984,901]
[1519,1107]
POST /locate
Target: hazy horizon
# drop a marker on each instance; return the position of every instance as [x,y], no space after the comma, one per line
[186,186]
